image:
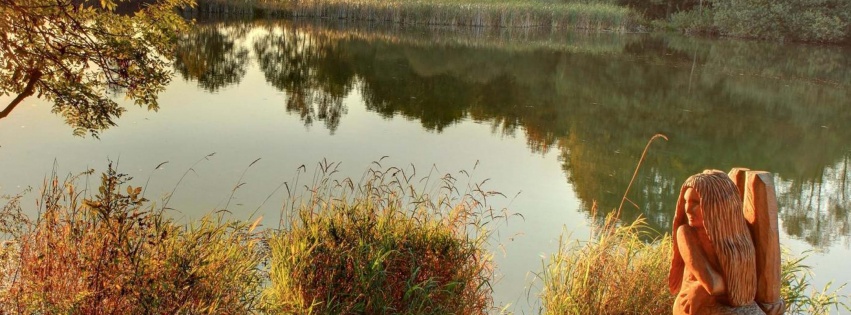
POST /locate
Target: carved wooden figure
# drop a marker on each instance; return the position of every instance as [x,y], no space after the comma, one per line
[717,267]
[760,211]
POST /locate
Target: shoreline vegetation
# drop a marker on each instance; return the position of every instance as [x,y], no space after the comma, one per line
[584,15]
[510,39]
[393,242]
[815,21]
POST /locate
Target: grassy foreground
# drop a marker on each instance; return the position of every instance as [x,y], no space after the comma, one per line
[379,246]
[383,245]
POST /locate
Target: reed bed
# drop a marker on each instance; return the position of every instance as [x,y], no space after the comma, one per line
[585,15]
[524,14]
[383,246]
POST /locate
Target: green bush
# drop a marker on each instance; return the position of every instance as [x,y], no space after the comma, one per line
[694,22]
[795,20]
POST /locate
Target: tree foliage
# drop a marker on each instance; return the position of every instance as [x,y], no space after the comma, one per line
[822,21]
[76,53]
[799,20]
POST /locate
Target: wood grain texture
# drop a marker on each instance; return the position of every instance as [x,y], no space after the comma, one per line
[760,211]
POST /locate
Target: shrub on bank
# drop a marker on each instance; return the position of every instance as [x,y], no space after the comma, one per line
[796,20]
[694,22]
[114,254]
[381,248]
[824,21]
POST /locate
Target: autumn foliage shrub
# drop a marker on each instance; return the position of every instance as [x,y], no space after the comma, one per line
[114,254]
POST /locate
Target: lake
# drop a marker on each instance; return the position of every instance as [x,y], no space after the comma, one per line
[556,121]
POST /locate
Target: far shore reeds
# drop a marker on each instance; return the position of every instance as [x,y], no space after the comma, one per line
[583,15]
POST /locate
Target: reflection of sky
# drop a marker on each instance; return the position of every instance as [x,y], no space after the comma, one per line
[245,122]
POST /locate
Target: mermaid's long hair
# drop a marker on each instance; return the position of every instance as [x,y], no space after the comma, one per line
[728,232]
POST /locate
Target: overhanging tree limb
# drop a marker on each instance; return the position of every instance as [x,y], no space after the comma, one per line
[28,90]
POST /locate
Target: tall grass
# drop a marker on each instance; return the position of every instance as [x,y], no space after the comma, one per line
[113,254]
[383,246]
[801,297]
[616,272]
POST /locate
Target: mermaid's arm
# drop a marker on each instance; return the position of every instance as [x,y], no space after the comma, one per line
[696,261]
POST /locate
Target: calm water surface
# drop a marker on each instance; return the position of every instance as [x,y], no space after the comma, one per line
[560,118]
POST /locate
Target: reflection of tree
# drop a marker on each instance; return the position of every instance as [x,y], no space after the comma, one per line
[312,71]
[818,210]
[599,110]
[210,55]
[719,109]
[435,101]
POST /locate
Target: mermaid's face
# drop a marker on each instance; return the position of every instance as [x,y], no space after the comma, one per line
[694,212]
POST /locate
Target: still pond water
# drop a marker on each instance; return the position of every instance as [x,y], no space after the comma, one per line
[556,119]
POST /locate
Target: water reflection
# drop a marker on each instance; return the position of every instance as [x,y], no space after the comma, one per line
[595,99]
[817,210]
[212,56]
[311,69]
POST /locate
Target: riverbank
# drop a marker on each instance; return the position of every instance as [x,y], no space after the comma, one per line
[599,15]
[375,246]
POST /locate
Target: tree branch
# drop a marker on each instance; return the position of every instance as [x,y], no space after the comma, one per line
[28,90]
